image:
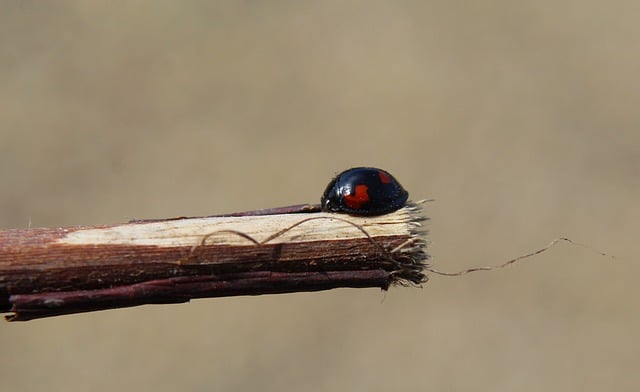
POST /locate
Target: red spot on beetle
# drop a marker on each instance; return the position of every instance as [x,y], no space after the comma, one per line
[384,177]
[358,198]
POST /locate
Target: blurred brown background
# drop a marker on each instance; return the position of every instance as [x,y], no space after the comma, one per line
[519,118]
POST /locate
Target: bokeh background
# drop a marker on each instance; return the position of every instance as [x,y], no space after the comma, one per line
[520,118]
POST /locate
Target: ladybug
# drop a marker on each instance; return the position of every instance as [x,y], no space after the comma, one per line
[363,191]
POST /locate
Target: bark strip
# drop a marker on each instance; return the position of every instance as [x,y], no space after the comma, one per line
[50,272]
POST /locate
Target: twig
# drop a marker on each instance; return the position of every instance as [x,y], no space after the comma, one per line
[49,272]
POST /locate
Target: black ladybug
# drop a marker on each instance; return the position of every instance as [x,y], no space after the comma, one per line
[364,191]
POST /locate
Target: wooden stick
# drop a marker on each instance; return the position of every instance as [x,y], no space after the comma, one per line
[49,272]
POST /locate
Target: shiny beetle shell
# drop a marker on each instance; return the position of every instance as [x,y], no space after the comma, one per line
[364,191]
